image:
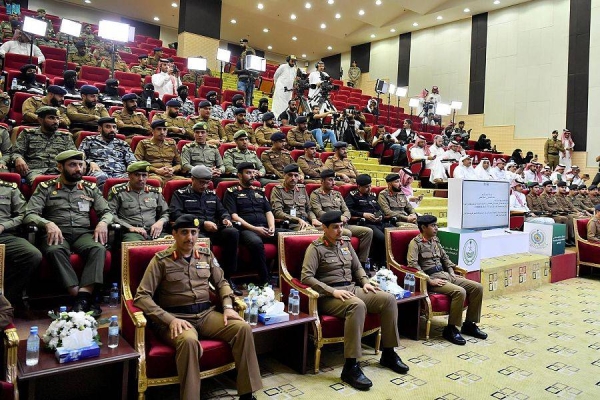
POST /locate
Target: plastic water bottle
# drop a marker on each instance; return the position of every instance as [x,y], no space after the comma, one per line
[291,301]
[14,86]
[296,303]
[412,283]
[368,266]
[148,102]
[407,282]
[113,332]
[113,300]
[247,310]
[254,313]
[33,347]
[62,309]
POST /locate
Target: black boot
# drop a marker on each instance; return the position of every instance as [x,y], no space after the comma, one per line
[391,360]
[354,377]
[471,329]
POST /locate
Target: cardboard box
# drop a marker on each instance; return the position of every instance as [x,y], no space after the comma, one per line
[270,319]
[65,356]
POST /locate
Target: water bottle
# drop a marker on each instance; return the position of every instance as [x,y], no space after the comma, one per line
[368,266]
[412,283]
[407,282]
[62,309]
[14,86]
[113,332]
[33,347]
[247,310]
[296,303]
[148,102]
[113,300]
[291,301]
[254,313]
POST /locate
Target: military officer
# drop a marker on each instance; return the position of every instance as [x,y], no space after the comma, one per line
[394,203]
[310,165]
[6,149]
[263,133]
[175,295]
[249,206]
[61,209]
[291,202]
[276,158]
[177,126]
[70,85]
[129,121]
[239,124]
[6,27]
[593,226]
[552,148]
[237,101]
[24,258]
[88,36]
[576,201]
[233,157]
[161,153]
[107,155]
[84,114]
[300,134]
[216,111]
[142,68]
[593,193]
[82,56]
[54,98]
[36,148]
[215,222]
[341,164]
[41,15]
[326,199]
[584,197]
[4,104]
[154,61]
[140,208]
[333,270]
[120,65]
[215,134]
[199,152]
[551,206]
[425,253]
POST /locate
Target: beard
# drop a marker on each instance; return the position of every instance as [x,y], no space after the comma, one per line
[76,177]
[90,104]
[173,114]
[108,136]
[263,109]
[55,103]
[396,189]
[213,100]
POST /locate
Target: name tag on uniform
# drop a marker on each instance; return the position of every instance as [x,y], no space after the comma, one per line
[201,265]
[345,251]
[257,195]
[84,206]
[293,212]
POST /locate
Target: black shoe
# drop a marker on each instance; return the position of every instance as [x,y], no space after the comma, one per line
[452,335]
[96,310]
[354,377]
[471,329]
[234,288]
[248,396]
[394,362]
[81,305]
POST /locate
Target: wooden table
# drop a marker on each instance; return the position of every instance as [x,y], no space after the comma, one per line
[409,315]
[288,341]
[91,378]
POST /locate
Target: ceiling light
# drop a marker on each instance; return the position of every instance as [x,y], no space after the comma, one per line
[156,19]
[233,21]
[265,30]
[303,55]
[338,16]
[174,5]
[307,5]
[372,35]
[330,2]
[260,6]
[378,2]
[415,24]
[323,26]
[361,12]
[270,47]
[497,2]
[87,1]
[467,10]
[439,17]
[293,16]
[294,38]
[329,48]
[392,30]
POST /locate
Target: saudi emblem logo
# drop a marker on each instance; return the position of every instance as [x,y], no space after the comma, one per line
[537,238]
[470,252]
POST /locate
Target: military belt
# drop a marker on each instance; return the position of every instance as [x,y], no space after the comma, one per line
[189,309]
[339,284]
[552,154]
[433,270]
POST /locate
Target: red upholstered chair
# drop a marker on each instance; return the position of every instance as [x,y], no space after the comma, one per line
[156,365]
[228,94]
[396,243]
[110,182]
[417,167]
[56,68]
[191,88]
[588,253]
[16,108]
[94,74]
[154,42]
[54,53]
[325,155]
[211,81]
[224,122]
[172,186]
[327,329]
[129,58]
[452,168]
[14,61]
[203,90]
[135,140]
[128,80]
[296,153]
[182,143]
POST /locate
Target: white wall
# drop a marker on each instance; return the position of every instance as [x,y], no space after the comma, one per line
[72,11]
[527,65]
[593,144]
[168,35]
[384,59]
[441,56]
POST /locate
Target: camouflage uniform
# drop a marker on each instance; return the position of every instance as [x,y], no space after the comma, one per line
[143,71]
[128,124]
[215,132]
[235,156]
[275,161]
[160,154]
[153,61]
[194,154]
[6,30]
[112,157]
[217,112]
[31,105]
[233,127]
[4,105]
[173,125]
[263,134]
[578,204]
[340,166]
[120,65]
[551,205]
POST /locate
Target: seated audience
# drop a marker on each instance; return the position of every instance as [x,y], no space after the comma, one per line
[394,203]
[84,114]
[518,205]
[558,175]
[165,81]
[498,171]
[371,107]
[290,201]
[54,98]
[21,44]
[215,133]
[178,127]
[187,106]
[161,152]
[237,101]
[297,136]
[277,157]
[129,121]
[240,124]
[142,68]
[550,204]
[288,117]
[483,143]
[27,82]
[70,84]
[82,56]
[148,98]
[464,169]
[262,134]
[200,152]
[216,110]
[239,154]
[310,163]
[341,164]
[593,226]
[257,114]
[483,170]
[575,200]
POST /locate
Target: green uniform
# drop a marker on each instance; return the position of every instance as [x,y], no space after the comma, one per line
[195,153]
[275,161]
[38,150]
[429,256]
[131,124]
[160,154]
[311,168]
[593,230]
[6,149]
[69,208]
[154,61]
[342,166]
[233,127]
[214,132]
[23,257]
[137,209]
[32,104]
[6,30]
[86,118]
[233,157]
[334,266]
[296,138]
[86,59]
[174,124]
[395,205]
[292,205]
[552,148]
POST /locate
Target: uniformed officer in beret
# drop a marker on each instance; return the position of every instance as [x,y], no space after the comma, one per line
[593,226]
[310,163]
[394,203]
[238,125]
[199,152]
[425,253]
[215,222]
[36,148]
[237,101]
[6,149]
[154,61]
[138,207]
[291,202]
[84,114]
[177,126]
[216,111]
[54,98]
[277,157]
[332,269]
[341,164]
[161,152]
[61,209]
[27,82]
[593,193]
[249,206]
[129,121]
[263,133]
[552,148]
[233,157]
[300,134]
[326,199]
[550,205]
[575,200]
[142,68]
[82,56]
[174,294]
[4,104]
[215,133]
[584,197]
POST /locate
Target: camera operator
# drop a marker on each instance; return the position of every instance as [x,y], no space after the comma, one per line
[350,127]
[284,78]
[245,77]
[316,79]
[389,142]
[315,126]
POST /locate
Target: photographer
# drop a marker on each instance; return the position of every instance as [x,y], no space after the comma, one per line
[245,78]
[350,128]
[315,126]
[316,79]
[390,141]
[167,80]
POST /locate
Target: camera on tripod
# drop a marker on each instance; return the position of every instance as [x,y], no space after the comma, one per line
[302,82]
[326,84]
[428,106]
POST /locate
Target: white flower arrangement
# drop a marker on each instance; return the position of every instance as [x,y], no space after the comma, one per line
[265,296]
[385,274]
[71,330]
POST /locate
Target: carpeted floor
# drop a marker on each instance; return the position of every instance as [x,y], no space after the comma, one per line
[542,344]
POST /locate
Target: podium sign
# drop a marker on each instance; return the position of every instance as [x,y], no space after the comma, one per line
[463,247]
[545,239]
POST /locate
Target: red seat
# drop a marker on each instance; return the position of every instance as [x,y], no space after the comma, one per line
[146,46]
[56,68]
[228,94]
[224,122]
[417,168]
[182,143]
[94,74]
[172,186]
[135,140]
[129,58]
[11,177]
[157,363]
[296,153]
[203,90]
[325,155]
[328,329]
[137,51]
[110,182]
[128,80]
[14,61]
[54,53]
[588,253]
[43,79]
[16,108]
[346,189]
[154,42]
[211,81]
[191,89]
[60,82]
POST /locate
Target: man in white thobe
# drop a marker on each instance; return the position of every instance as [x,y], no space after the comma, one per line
[464,169]
[284,78]
[165,82]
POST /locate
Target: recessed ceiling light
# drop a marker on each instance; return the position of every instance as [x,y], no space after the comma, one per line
[467,10]
[293,16]
[87,1]
[329,48]
[338,16]
[233,21]
[270,47]
[156,19]
[392,30]
[265,30]
[260,6]
[361,12]
[439,17]
[415,24]
[323,26]
[497,2]
[303,55]
[330,1]
[372,35]
[378,2]
[307,5]
[294,38]
[174,5]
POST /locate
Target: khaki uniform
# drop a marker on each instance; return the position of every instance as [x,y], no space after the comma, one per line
[120,65]
[137,209]
[4,105]
[86,118]
[334,266]
[395,205]
[31,105]
[552,148]
[86,59]
[275,161]
[233,127]
[321,202]
[297,138]
[154,61]
[311,168]
[215,134]
[160,154]
[129,124]
[143,71]
[578,204]
[38,150]
[262,135]
[586,201]
[593,230]
[293,205]
[69,208]
[6,149]
[174,124]
[175,282]
[424,255]
[551,205]
[194,154]
[340,166]
[233,157]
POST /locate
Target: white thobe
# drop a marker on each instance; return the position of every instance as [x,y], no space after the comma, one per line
[284,77]
[165,84]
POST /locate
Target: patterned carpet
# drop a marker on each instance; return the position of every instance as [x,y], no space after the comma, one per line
[542,344]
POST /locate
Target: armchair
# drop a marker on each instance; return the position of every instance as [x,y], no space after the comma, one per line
[8,380]
[326,329]
[157,366]
[396,243]
[588,253]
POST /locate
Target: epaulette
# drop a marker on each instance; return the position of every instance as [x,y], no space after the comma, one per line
[8,184]
[169,140]
[215,118]
[39,98]
[300,185]
[418,239]
[77,103]
[353,192]
[48,183]
[29,130]
[330,157]
[210,192]
[318,242]
[345,238]
[232,189]
[212,146]
[119,188]
[165,253]
[203,250]
[136,113]
[155,189]
[91,185]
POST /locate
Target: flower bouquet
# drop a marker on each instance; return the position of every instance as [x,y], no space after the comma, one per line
[270,311]
[388,282]
[73,336]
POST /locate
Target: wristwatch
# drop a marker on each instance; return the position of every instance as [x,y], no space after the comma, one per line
[228,306]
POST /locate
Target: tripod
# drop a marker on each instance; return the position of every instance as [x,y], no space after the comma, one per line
[303,106]
[323,100]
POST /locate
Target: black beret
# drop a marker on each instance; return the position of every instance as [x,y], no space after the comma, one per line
[211,93]
[562,184]
[580,187]
[327,173]
[277,136]
[56,90]
[182,87]
[43,111]
[290,168]
[339,145]
[573,187]
[363,180]
[159,123]
[111,81]
[129,96]
[204,103]
[236,97]
[173,103]
[89,89]
[592,187]
[27,66]
[546,183]
[331,217]
[245,165]
[267,116]
[392,177]
[301,119]
[308,145]
[239,110]
[106,120]
[158,49]
[186,221]
[69,73]
[597,207]
[263,100]
[142,56]
[426,220]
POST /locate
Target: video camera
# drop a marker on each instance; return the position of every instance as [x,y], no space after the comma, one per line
[302,82]
[326,84]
